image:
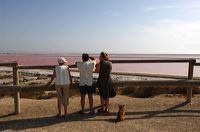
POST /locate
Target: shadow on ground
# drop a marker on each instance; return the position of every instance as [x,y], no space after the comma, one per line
[22,124]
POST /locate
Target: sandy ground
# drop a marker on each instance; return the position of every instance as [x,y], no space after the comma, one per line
[159,113]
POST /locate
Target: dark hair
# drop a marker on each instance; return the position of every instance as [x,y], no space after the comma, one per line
[85,57]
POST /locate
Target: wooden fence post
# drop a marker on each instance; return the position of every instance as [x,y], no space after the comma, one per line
[15,83]
[190,77]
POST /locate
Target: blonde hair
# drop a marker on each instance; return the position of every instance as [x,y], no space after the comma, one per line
[104,55]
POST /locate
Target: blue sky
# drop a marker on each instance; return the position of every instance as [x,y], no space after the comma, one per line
[114,26]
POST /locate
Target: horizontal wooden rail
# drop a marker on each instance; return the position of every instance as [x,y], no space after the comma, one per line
[26,88]
[155,61]
[147,75]
[31,88]
[41,67]
[196,64]
[8,64]
[36,67]
[145,83]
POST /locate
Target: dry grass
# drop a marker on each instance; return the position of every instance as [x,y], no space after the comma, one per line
[159,113]
[146,92]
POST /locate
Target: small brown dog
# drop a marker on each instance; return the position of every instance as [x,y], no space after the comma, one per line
[120,114]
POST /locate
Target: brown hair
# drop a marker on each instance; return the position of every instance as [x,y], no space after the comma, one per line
[104,55]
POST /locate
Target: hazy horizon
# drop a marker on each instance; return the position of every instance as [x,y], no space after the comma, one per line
[112,54]
[114,26]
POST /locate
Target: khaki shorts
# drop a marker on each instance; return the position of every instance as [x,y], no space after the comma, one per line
[63,93]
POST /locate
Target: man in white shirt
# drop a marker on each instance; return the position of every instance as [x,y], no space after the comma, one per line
[86,69]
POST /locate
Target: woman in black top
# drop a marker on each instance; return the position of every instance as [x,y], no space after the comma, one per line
[104,82]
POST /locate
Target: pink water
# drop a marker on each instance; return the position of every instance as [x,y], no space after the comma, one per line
[154,68]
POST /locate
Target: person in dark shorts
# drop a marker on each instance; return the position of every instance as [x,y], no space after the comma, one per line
[104,82]
[86,68]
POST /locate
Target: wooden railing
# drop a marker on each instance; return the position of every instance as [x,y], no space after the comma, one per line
[16,88]
[15,83]
[190,68]
[189,83]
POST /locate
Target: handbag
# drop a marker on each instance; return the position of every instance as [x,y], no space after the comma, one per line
[112,91]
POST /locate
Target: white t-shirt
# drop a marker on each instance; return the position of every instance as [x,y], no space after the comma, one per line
[62,75]
[86,72]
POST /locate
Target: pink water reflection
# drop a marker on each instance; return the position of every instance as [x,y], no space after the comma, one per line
[154,68]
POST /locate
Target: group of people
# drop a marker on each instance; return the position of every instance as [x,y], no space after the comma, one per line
[86,67]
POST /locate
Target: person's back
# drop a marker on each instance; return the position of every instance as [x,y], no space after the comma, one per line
[62,75]
[86,68]
[105,71]
[62,84]
[104,81]
[86,72]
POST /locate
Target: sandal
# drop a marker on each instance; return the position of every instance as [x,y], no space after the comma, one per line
[106,110]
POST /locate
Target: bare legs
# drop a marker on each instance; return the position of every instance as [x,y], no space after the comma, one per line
[82,102]
[59,106]
[104,105]
[65,99]
[62,98]
[91,103]
[90,97]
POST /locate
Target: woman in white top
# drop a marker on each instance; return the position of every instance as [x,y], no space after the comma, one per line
[86,68]
[62,84]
